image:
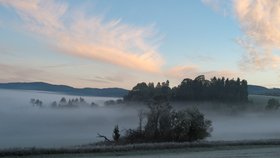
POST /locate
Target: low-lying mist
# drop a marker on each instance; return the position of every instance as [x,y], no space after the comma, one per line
[22,125]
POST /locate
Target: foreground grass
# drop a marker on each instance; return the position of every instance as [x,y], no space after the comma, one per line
[197,152]
[119,149]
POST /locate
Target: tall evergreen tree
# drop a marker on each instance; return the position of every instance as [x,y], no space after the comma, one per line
[116,134]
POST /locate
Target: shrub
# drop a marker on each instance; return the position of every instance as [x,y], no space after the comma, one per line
[272,104]
[165,124]
[116,134]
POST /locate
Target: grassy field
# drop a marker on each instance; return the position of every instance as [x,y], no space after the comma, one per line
[148,149]
[215,152]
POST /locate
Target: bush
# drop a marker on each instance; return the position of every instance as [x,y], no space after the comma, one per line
[116,134]
[165,124]
[36,102]
[109,102]
[272,104]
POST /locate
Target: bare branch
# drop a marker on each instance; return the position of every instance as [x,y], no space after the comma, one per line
[102,136]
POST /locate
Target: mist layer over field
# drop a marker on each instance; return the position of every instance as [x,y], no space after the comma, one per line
[22,125]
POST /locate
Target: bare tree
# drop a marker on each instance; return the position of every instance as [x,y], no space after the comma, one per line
[141,118]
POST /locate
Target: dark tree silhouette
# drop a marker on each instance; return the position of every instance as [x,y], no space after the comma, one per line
[32,101]
[36,102]
[165,124]
[116,134]
[272,104]
[199,89]
[54,104]
[62,101]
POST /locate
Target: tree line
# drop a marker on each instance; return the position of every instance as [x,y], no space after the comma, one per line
[63,103]
[198,89]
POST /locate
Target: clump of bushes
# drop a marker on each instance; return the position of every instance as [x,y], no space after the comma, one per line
[272,104]
[109,102]
[164,124]
[113,102]
[76,102]
[36,102]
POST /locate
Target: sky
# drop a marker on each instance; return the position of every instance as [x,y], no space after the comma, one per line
[118,43]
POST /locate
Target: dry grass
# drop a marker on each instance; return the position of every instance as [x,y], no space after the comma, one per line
[131,147]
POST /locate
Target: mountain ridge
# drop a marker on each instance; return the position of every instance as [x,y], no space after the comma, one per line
[261,90]
[87,91]
[107,92]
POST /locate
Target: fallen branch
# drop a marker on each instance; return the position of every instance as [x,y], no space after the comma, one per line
[102,136]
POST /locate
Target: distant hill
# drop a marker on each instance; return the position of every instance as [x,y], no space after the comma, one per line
[259,90]
[107,92]
[41,86]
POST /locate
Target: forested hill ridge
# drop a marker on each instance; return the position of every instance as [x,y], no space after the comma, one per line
[198,89]
[260,90]
[41,86]
[109,92]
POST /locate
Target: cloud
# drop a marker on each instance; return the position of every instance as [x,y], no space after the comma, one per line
[6,50]
[115,78]
[193,71]
[24,73]
[222,73]
[90,37]
[219,6]
[260,23]
[182,71]
[95,80]
[260,20]
[10,73]
[257,57]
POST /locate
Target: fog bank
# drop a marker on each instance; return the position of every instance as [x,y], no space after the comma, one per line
[22,125]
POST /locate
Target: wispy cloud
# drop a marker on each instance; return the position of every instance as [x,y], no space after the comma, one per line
[10,73]
[6,50]
[193,71]
[65,65]
[115,78]
[258,57]
[90,37]
[260,23]
[23,73]
[220,6]
[222,73]
[121,78]
[94,80]
[182,71]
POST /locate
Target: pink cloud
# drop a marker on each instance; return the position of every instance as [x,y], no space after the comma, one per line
[261,24]
[181,72]
[219,6]
[90,37]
